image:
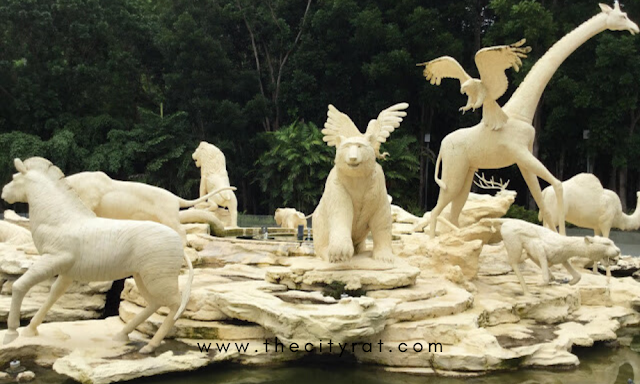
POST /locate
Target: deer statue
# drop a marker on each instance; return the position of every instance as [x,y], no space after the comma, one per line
[78,246]
[477,206]
[464,151]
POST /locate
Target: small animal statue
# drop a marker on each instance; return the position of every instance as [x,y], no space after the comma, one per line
[214,176]
[588,205]
[546,247]
[290,218]
[128,200]
[78,246]
[354,201]
[493,83]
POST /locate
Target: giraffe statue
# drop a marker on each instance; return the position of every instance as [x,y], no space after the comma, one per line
[464,151]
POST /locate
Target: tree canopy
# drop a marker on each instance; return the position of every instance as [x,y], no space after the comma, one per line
[131,87]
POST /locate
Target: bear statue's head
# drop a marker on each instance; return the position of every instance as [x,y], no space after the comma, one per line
[356,152]
[355,156]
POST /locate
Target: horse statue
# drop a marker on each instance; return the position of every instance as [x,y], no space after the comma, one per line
[78,246]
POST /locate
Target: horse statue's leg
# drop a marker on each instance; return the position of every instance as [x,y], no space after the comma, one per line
[58,289]
[46,267]
[163,330]
[162,292]
[143,315]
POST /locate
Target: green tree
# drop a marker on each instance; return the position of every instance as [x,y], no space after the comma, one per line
[401,170]
[294,168]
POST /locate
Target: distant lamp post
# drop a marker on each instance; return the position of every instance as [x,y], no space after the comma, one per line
[427,140]
[585,136]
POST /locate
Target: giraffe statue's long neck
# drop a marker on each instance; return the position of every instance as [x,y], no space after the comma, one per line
[525,99]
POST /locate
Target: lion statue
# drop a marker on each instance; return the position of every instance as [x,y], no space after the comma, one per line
[130,200]
[213,176]
[354,201]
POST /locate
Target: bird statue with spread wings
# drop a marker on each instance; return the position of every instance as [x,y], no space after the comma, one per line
[339,127]
[492,63]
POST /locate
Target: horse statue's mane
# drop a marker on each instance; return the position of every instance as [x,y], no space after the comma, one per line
[56,176]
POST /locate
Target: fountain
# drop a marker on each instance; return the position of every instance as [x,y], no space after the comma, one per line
[374,282]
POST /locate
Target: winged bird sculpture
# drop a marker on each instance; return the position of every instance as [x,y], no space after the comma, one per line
[492,63]
[339,127]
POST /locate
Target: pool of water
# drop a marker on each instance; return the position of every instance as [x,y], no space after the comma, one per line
[602,364]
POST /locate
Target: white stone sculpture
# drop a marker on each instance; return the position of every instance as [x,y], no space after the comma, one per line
[399,215]
[354,201]
[13,218]
[466,150]
[290,218]
[128,200]
[14,234]
[545,248]
[214,176]
[588,205]
[493,83]
[76,245]
[477,207]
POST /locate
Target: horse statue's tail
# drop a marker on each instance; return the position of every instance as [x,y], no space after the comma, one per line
[438,180]
[190,203]
[186,292]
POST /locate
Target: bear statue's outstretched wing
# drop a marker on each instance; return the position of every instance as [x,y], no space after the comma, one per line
[388,120]
[338,125]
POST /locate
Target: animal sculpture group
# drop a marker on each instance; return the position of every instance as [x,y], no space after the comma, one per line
[490,146]
[75,245]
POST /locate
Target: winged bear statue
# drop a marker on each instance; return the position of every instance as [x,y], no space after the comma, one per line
[354,202]
[492,63]
[339,127]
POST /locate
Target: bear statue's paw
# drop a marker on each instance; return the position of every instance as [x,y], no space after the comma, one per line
[340,251]
[384,255]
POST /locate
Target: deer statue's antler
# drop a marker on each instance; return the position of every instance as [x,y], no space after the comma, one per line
[490,184]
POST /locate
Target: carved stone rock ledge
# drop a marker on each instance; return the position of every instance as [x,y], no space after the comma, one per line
[361,272]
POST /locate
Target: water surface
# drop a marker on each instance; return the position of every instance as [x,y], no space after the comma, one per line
[601,364]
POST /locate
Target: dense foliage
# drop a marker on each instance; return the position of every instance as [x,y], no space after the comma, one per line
[130,87]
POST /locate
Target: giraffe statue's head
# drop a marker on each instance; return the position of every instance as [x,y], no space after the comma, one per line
[618,20]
